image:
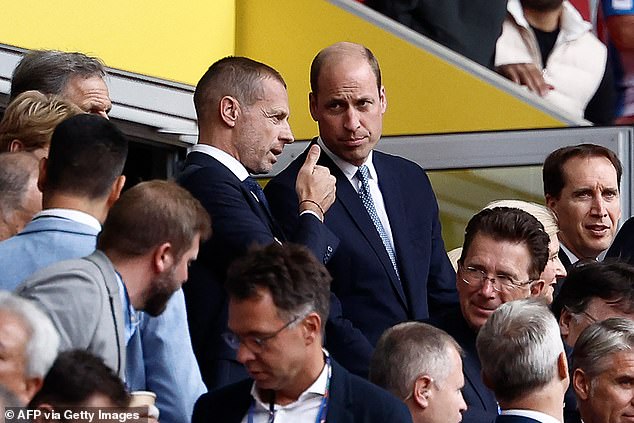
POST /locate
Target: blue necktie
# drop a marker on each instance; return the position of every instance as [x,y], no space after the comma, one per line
[256,190]
[366,199]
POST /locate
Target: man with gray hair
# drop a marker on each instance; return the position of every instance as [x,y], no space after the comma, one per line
[421,365]
[524,363]
[603,371]
[29,344]
[74,76]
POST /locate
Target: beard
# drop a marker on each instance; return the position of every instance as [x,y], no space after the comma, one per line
[161,290]
[541,5]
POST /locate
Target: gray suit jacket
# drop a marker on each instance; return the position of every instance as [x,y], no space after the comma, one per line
[82,299]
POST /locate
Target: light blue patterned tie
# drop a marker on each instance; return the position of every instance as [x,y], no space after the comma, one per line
[366,199]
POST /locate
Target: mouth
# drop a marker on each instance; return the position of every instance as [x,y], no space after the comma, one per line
[355,141]
[598,230]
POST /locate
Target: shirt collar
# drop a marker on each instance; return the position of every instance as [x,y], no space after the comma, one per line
[225,158]
[571,25]
[131,317]
[531,414]
[349,170]
[74,215]
[318,388]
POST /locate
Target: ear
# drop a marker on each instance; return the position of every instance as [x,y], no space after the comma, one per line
[312,328]
[562,366]
[383,99]
[46,413]
[163,257]
[41,178]
[581,384]
[312,105]
[551,202]
[33,385]
[422,391]
[538,288]
[564,322]
[115,191]
[229,110]
[16,145]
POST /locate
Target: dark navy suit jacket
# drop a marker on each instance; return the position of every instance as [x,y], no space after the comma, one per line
[367,297]
[515,419]
[623,245]
[481,404]
[352,400]
[238,222]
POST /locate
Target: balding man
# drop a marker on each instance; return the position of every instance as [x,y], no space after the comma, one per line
[391,264]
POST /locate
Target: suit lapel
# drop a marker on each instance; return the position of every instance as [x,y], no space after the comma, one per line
[196,160]
[340,406]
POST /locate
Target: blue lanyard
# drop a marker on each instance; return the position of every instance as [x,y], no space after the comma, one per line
[323,407]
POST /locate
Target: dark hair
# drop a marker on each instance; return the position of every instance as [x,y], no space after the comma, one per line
[553,171]
[290,272]
[322,57]
[238,77]
[86,156]
[511,225]
[611,281]
[151,213]
[76,375]
[48,71]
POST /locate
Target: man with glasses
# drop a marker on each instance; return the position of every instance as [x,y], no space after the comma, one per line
[279,298]
[593,292]
[504,252]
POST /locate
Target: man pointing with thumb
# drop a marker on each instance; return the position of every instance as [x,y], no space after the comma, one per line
[242,108]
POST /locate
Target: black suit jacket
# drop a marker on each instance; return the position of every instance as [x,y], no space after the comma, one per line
[367,296]
[238,222]
[481,404]
[352,400]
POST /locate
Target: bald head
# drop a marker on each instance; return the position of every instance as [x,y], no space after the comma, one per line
[337,51]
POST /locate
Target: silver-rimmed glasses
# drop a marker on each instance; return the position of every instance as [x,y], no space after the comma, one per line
[501,283]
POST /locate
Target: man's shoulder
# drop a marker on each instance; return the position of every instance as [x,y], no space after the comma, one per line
[84,267]
[365,398]
[228,404]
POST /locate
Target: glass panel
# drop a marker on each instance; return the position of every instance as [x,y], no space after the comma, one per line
[462,193]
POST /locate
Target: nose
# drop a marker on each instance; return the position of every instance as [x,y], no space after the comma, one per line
[598,206]
[486,289]
[560,270]
[463,404]
[244,355]
[351,122]
[286,136]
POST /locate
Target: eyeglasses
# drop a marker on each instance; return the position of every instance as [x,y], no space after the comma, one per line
[255,344]
[500,283]
[585,313]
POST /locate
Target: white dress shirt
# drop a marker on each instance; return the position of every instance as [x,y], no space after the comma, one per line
[350,172]
[305,409]
[531,414]
[74,215]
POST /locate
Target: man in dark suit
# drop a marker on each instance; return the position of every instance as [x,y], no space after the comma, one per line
[581,186]
[504,253]
[242,109]
[524,363]
[391,265]
[278,304]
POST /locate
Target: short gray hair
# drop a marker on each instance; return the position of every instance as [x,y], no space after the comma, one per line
[41,350]
[519,346]
[48,71]
[598,341]
[406,351]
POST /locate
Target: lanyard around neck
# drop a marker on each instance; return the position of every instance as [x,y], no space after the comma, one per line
[323,406]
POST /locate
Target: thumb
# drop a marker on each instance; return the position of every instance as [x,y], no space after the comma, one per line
[312,157]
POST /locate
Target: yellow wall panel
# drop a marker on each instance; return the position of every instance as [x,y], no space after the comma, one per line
[425,94]
[161,38]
